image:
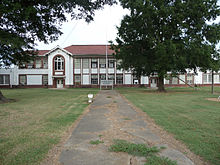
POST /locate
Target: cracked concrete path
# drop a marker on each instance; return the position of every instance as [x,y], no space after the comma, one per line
[111,117]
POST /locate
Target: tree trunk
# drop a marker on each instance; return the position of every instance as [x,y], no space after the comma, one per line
[2,98]
[161,84]
[212,89]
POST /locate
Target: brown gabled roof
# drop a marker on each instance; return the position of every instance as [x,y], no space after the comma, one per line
[89,49]
[42,52]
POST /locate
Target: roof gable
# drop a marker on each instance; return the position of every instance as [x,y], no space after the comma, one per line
[58,47]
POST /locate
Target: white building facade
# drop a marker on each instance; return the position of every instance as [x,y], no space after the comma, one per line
[86,66]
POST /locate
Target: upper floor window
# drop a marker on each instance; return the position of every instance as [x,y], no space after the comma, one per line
[94,63]
[77,63]
[38,63]
[102,63]
[85,63]
[59,63]
[111,63]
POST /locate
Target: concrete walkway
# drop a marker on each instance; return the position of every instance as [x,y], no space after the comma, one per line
[111,117]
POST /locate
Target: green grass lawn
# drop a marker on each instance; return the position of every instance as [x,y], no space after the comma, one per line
[185,113]
[38,119]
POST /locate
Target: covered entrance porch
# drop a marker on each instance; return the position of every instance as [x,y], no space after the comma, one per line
[59,82]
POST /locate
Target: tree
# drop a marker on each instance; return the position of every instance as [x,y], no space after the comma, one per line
[24,22]
[160,36]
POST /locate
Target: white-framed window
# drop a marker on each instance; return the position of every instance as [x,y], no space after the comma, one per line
[189,79]
[77,63]
[94,63]
[4,79]
[102,77]
[22,79]
[174,80]
[77,79]
[45,79]
[111,63]
[38,63]
[59,63]
[111,77]
[94,79]
[119,79]
[45,62]
[102,63]
[85,63]
[207,78]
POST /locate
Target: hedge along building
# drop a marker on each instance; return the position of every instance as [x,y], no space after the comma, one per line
[85,66]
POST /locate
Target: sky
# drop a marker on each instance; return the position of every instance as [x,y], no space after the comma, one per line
[97,32]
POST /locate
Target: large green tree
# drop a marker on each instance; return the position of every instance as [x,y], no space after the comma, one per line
[23,22]
[160,36]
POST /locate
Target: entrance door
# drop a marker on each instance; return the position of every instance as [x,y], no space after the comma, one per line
[153,83]
[59,83]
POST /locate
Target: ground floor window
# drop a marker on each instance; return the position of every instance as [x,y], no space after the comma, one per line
[111,77]
[102,77]
[119,79]
[190,79]
[207,78]
[94,79]
[174,80]
[22,79]
[4,79]
[77,79]
[45,79]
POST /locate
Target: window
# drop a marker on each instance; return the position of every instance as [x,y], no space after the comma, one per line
[190,79]
[77,63]
[209,78]
[119,79]
[4,79]
[102,63]
[102,77]
[216,78]
[22,80]
[45,63]
[38,63]
[77,79]
[167,79]
[182,79]
[85,63]
[174,80]
[30,65]
[111,77]
[111,63]
[94,79]
[45,79]
[94,63]
[59,63]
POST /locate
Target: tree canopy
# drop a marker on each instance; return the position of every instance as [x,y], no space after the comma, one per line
[160,36]
[24,22]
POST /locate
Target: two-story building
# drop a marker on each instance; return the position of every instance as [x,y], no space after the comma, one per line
[85,66]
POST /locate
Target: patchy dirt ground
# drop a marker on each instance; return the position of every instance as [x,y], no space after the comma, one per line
[111,117]
[213,99]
